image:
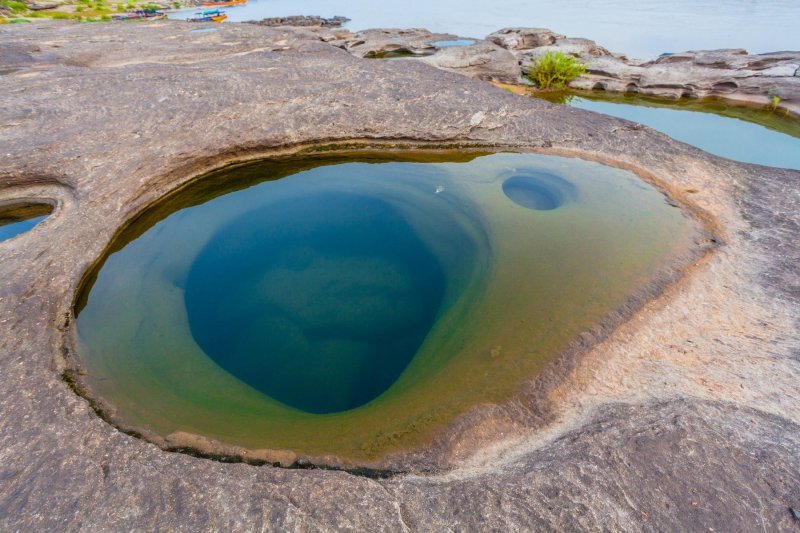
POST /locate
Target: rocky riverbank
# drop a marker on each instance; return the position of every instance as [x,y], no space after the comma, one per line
[685,417]
[761,79]
[302,21]
[504,56]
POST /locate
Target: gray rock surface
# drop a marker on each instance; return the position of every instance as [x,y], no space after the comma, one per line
[41,6]
[302,21]
[684,418]
[483,60]
[731,74]
[372,42]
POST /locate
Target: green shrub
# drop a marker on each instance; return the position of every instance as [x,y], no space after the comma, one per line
[60,15]
[13,5]
[554,70]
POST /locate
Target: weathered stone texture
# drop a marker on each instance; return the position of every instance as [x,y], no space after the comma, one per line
[685,418]
[731,74]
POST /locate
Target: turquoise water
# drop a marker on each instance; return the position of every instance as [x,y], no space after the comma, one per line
[541,191]
[732,138]
[355,304]
[319,300]
[643,29]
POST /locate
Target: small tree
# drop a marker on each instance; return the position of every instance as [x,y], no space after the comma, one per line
[554,70]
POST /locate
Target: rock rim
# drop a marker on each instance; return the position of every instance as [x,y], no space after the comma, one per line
[686,414]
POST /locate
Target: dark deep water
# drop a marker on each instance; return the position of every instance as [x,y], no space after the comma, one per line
[320,301]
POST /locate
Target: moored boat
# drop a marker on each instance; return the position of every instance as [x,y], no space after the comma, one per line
[210,15]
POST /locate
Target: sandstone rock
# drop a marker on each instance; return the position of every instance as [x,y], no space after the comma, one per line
[302,21]
[483,60]
[524,38]
[728,73]
[374,42]
[638,438]
[40,6]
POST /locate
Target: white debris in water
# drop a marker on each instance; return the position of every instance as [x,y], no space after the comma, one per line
[439,189]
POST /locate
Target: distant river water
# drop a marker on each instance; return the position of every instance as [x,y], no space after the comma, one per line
[642,29]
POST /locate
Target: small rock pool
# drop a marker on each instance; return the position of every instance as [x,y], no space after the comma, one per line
[19,217]
[355,304]
[738,132]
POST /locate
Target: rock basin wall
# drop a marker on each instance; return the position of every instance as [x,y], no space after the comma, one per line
[686,418]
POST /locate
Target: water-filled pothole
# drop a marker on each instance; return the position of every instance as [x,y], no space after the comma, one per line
[541,191]
[354,305]
[16,218]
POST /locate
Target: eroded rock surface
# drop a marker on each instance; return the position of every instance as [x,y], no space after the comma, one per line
[302,21]
[732,74]
[483,60]
[684,418]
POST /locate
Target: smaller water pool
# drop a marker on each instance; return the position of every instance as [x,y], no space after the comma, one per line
[737,132]
[540,191]
[21,217]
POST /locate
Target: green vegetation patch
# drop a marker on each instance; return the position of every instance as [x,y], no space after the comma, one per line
[554,70]
[13,5]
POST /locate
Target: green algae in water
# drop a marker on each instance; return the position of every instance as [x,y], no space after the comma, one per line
[355,305]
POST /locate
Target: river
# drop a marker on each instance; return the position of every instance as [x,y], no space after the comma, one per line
[645,28]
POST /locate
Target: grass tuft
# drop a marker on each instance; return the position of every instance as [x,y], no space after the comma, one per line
[554,70]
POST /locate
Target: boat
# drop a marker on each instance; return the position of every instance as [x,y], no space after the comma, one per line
[224,3]
[141,14]
[210,15]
